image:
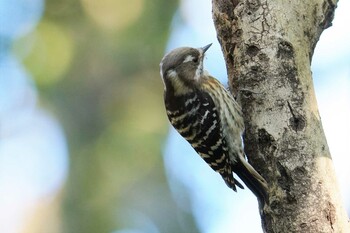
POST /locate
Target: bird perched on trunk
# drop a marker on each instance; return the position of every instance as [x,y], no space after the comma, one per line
[208,117]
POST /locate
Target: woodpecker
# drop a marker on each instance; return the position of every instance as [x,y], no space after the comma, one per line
[208,117]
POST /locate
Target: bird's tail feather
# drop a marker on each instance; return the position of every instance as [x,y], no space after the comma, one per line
[252,179]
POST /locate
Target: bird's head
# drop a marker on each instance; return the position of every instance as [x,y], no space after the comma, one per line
[181,69]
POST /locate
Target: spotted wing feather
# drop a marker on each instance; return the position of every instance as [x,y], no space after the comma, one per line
[196,118]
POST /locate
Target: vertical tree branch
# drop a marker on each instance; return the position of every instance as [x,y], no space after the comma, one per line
[268,46]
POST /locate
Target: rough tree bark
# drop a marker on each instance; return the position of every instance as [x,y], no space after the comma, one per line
[268,46]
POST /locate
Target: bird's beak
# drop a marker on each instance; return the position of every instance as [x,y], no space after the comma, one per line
[205,48]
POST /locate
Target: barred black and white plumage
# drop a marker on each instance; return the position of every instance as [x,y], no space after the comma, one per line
[206,115]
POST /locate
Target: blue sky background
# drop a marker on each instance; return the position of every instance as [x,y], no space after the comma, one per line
[33,150]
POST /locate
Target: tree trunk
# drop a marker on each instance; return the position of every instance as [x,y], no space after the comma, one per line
[268,46]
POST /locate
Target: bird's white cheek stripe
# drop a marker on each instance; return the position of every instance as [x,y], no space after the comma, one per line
[172,73]
[188,58]
[199,71]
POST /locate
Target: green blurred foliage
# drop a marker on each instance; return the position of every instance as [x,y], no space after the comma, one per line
[99,73]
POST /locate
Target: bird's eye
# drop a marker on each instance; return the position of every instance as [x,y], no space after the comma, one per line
[195,60]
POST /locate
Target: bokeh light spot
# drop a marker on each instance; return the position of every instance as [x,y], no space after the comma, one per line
[47,52]
[113,15]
